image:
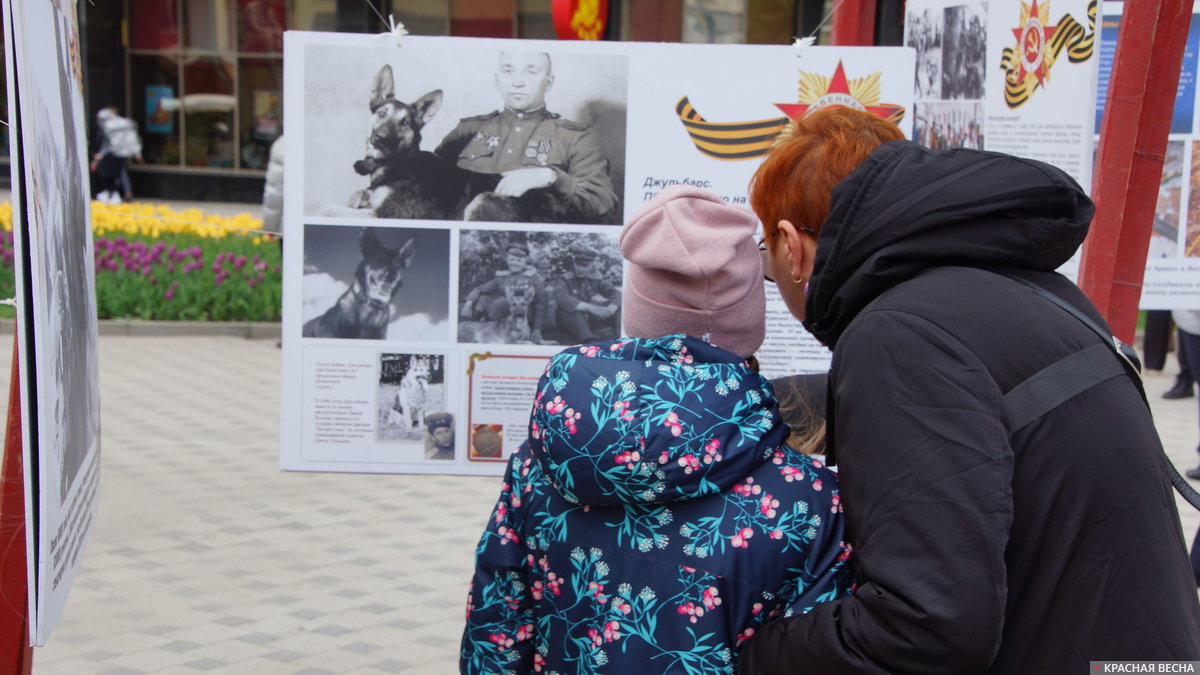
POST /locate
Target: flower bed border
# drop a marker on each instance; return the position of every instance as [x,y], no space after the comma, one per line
[252,330]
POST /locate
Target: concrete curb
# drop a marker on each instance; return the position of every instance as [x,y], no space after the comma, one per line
[250,330]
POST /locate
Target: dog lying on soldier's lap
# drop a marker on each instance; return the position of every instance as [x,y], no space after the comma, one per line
[407,182]
[363,311]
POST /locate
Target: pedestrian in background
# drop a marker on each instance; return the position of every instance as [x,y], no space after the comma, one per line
[1184,381]
[272,205]
[119,143]
[1188,323]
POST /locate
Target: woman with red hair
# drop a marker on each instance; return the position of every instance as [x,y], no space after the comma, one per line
[985,540]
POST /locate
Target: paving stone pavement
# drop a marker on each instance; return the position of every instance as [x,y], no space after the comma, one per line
[207,558]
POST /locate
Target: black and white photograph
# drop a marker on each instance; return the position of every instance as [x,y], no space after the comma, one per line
[545,288]
[411,396]
[376,283]
[439,436]
[499,136]
[63,419]
[964,51]
[947,124]
[923,32]
[57,200]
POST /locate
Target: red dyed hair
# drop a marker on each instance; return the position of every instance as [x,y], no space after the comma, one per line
[796,180]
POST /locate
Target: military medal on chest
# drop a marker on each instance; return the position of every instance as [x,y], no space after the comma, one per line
[543,150]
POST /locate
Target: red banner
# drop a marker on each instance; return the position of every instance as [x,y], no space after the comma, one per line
[580,19]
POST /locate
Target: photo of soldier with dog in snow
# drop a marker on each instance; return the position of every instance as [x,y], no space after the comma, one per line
[510,136]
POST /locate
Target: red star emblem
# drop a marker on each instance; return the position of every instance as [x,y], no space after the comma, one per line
[1031,45]
[839,88]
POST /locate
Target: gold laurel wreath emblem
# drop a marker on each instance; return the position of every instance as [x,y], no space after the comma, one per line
[731,141]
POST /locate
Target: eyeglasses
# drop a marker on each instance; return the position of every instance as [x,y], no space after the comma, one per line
[766,252]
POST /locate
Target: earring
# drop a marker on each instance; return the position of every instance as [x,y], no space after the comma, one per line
[797,281]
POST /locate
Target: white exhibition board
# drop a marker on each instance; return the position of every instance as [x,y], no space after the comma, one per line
[60,394]
[1009,76]
[367,380]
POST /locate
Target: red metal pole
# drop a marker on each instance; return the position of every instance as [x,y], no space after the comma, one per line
[1133,140]
[16,656]
[853,23]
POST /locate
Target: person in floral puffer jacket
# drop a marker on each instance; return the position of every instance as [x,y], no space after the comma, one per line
[655,518]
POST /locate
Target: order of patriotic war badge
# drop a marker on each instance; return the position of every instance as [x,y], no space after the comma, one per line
[1039,44]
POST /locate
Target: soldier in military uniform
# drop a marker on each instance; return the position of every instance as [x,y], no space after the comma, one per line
[587,307]
[492,301]
[439,442]
[533,147]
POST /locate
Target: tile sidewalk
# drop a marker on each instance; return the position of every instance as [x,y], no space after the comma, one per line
[207,558]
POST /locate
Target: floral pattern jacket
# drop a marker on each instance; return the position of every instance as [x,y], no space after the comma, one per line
[652,520]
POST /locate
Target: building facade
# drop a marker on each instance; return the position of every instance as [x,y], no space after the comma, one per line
[203,79]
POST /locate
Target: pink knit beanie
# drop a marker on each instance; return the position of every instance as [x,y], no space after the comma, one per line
[695,269]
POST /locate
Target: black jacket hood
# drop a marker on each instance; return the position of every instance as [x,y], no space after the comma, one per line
[909,208]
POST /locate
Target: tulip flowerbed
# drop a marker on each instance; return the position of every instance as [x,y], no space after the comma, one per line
[156,263]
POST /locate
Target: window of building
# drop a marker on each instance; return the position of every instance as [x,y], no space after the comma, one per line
[534,20]
[154,87]
[206,76]
[714,21]
[153,24]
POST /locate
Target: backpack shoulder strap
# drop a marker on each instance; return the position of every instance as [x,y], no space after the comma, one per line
[1070,376]
[1058,383]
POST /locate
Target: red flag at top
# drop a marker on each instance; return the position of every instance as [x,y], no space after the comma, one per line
[579,19]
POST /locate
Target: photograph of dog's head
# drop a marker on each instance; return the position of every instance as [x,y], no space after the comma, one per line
[434,133]
[376,283]
[411,396]
[538,287]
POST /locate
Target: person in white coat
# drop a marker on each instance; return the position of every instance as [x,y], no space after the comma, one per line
[272,209]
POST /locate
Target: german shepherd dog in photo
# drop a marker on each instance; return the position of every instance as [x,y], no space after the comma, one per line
[407,182]
[363,311]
